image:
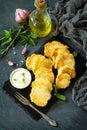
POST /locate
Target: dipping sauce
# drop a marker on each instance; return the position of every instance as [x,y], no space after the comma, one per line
[20,78]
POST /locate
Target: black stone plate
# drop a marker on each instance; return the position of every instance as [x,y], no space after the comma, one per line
[80,68]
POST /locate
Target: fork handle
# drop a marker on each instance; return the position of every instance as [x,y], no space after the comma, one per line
[51,122]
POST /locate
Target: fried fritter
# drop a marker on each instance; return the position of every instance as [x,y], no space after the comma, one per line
[69,70]
[57,53]
[44,77]
[48,47]
[64,59]
[36,61]
[63,80]
[41,91]
[65,74]
[45,73]
[45,63]
[40,96]
[42,83]
[32,62]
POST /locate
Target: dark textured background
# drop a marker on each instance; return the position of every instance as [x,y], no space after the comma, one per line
[12,115]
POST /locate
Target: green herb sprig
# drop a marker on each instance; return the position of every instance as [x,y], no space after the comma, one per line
[21,33]
[57,94]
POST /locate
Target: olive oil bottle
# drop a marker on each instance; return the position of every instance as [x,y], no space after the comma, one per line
[39,20]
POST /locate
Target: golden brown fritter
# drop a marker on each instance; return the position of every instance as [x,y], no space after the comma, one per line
[48,47]
[69,70]
[40,96]
[37,61]
[42,83]
[65,74]
[45,73]
[41,91]
[57,51]
[45,63]
[32,62]
[63,61]
[63,80]
[44,77]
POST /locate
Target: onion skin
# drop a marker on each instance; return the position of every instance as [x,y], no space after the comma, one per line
[21,15]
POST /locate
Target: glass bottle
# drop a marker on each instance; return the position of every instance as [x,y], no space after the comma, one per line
[40,20]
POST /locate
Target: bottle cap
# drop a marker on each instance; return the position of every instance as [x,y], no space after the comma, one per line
[40,4]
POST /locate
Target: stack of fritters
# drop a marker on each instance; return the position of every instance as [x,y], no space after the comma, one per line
[44,78]
[59,56]
[63,61]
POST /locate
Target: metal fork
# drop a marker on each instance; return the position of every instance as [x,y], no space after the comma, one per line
[25,101]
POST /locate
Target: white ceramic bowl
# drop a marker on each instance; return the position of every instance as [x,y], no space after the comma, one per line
[20,78]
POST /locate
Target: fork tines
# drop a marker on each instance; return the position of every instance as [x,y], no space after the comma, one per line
[19,97]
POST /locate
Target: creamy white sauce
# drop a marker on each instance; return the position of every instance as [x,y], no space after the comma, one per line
[20,78]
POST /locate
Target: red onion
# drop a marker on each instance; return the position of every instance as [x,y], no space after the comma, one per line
[21,15]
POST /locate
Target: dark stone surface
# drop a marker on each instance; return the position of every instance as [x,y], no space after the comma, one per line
[13,116]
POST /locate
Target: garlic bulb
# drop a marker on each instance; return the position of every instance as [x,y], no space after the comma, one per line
[21,15]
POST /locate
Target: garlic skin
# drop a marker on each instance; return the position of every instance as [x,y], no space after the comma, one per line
[21,15]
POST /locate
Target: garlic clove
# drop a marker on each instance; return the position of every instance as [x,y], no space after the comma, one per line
[24,50]
[10,63]
[18,19]
[21,15]
[26,12]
